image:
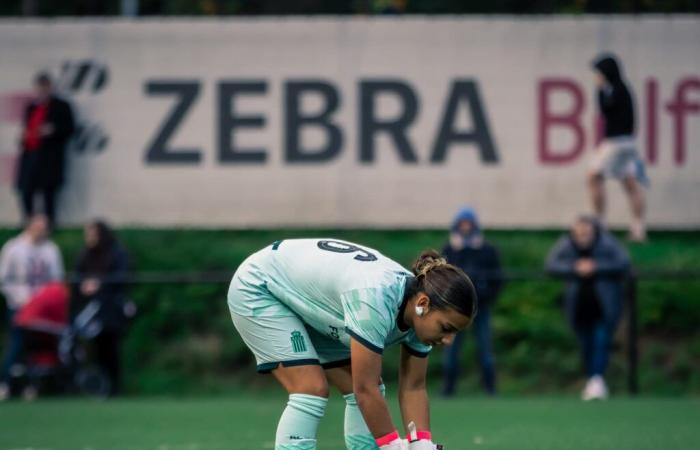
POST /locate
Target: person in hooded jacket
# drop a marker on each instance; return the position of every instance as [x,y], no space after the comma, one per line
[102,271]
[617,155]
[468,250]
[593,265]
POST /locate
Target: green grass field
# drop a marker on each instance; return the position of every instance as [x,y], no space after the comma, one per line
[248,422]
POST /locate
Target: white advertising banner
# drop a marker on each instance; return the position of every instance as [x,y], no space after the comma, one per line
[382,122]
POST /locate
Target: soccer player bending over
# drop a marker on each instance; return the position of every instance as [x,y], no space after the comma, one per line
[316,312]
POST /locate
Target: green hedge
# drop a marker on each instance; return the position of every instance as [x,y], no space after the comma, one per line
[182,341]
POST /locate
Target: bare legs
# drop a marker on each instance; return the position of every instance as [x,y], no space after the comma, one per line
[635,195]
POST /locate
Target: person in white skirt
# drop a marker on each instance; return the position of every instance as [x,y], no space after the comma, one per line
[617,154]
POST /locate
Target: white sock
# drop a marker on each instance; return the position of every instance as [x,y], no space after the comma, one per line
[299,422]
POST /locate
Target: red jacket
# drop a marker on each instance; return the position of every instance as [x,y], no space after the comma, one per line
[47,310]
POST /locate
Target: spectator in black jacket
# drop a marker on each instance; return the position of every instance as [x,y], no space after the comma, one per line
[48,126]
[102,269]
[593,265]
[617,154]
[468,250]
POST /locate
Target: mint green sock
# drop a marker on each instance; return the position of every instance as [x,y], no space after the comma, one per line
[357,435]
[297,426]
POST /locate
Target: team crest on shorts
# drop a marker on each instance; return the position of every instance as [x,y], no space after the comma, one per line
[298,344]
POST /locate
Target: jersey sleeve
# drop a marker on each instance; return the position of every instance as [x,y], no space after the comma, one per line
[368,317]
[416,347]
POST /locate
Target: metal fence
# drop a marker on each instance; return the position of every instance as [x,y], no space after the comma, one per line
[631,331]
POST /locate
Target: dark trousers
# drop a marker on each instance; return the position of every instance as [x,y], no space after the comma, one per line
[595,339]
[595,327]
[27,196]
[13,352]
[482,333]
[107,346]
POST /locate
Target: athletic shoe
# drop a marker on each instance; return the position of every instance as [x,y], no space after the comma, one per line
[595,389]
[30,393]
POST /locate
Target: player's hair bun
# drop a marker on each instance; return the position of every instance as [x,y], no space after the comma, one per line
[427,261]
[446,285]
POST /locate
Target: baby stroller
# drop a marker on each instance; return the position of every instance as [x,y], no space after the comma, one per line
[56,358]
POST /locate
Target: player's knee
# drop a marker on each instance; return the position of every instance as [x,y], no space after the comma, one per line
[308,380]
[313,385]
[319,388]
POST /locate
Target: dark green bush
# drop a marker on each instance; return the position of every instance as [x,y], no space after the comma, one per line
[183,342]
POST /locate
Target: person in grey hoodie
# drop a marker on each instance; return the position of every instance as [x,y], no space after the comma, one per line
[593,265]
[27,263]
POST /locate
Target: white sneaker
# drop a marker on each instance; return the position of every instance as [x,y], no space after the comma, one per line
[30,393]
[4,392]
[595,389]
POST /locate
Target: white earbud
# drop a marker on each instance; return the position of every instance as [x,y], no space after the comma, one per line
[419,311]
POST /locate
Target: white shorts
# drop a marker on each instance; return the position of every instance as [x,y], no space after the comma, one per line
[617,157]
[272,331]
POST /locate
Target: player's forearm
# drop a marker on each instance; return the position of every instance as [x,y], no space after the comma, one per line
[374,410]
[415,408]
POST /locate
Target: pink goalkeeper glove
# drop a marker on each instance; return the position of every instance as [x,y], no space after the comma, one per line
[420,440]
[391,441]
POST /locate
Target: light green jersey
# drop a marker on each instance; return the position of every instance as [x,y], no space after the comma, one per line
[338,288]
